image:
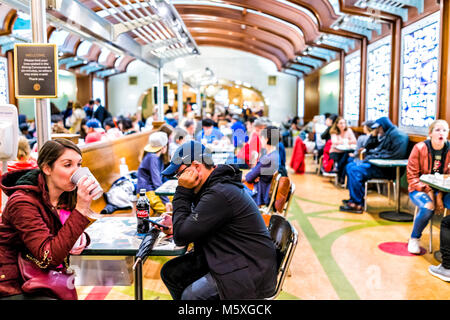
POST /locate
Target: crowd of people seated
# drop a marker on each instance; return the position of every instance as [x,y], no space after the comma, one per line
[184,152]
[383,140]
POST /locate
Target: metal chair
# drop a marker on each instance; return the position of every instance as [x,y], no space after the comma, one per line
[327,174]
[285,238]
[431,226]
[388,182]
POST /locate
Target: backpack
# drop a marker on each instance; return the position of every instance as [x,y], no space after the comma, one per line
[122,194]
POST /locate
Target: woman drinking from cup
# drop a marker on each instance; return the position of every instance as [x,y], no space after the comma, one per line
[33,222]
[428,157]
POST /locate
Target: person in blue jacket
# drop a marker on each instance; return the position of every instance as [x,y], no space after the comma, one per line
[262,173]
[209,133]
[239,131]
[393,145]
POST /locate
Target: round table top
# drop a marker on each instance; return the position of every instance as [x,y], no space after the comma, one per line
[389,162]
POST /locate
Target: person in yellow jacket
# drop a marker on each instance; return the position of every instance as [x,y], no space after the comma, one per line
[149,172]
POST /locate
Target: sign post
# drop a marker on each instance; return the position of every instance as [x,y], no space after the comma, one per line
[36,71]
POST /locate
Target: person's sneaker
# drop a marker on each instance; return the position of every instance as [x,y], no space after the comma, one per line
[440,272]
[351,207]
[414,246]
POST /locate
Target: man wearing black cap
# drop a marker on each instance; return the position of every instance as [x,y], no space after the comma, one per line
[234,256]
[393,145]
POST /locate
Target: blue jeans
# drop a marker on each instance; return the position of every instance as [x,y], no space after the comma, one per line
[187,277]
[204,288]
[358,172]
[420,199]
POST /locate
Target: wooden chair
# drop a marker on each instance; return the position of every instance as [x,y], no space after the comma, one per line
[283,197]
[272,191]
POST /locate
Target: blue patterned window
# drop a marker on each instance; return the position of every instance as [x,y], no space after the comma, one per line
[378,78]
[352,87]
[4,96]
[419,74]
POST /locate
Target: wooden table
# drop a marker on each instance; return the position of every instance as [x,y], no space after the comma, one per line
[396,215]
[442,183]
[117,236]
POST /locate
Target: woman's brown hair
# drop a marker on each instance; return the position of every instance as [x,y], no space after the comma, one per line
[335,129]
[48,154]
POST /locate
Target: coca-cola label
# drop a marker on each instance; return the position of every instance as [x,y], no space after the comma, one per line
[142,213]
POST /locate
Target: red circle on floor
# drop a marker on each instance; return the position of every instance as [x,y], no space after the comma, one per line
[399,249]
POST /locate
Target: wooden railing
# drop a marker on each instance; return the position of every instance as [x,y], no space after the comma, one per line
[103,159]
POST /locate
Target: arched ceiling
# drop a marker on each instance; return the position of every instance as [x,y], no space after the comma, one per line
[284,31]
[303,23]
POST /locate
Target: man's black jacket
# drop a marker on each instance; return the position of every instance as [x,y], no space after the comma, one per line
[226,227]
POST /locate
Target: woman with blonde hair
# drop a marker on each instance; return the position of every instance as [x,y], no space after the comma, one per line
[74,121]
[427,157]
[24,159]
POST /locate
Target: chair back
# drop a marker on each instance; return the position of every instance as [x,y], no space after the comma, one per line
[272,192]
[285,238]
[289,200]
[273,188]
[282,195]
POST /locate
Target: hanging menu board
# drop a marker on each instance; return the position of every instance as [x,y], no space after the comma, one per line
[35,71]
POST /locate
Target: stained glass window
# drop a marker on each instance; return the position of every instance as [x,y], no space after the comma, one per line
[378,78]
[419,74]
[4,96]
[352,87]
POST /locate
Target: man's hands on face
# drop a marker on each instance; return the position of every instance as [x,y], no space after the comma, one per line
[189,179]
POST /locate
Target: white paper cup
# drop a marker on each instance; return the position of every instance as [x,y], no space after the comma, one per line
[84,171]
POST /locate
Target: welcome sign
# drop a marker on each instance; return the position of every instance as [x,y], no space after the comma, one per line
[35,70]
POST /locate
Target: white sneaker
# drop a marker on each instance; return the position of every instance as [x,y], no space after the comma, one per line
[440,272]
[414,246]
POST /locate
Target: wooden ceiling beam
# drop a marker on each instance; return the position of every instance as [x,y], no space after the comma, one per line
[226,15]
[257,34]
[240,46]
[247,42]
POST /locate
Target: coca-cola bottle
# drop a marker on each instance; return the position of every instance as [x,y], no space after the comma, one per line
[142,212]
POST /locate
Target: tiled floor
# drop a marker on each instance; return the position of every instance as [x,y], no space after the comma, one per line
[339,255]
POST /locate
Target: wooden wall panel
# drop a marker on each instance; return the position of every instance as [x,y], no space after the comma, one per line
[84,89]
[394,92]
[444,64]
[312,99]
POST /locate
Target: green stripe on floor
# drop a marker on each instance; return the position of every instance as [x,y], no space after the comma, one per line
[322,246]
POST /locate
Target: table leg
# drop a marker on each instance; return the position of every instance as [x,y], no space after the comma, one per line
[397,215]
[138,295]
[438,255]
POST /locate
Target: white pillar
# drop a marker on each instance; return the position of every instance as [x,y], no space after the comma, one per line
[180,96]
[199,101]
[160,94]
[41,106]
